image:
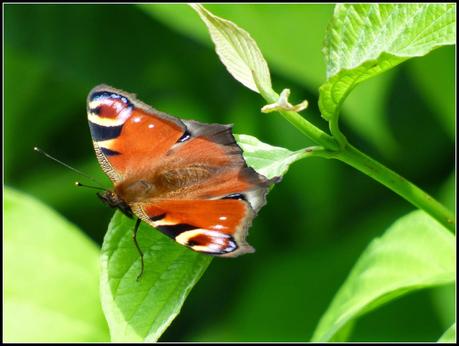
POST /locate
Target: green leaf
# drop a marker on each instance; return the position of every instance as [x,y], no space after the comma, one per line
[450,335]
[238,51]
[142,310]
[365,40]
[415,252]
[51,291]
[266,159]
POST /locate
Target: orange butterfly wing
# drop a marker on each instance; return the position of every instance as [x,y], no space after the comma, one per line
[217,227]
[183,177]
[128,135]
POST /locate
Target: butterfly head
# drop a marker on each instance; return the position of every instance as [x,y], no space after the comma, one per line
[111,199]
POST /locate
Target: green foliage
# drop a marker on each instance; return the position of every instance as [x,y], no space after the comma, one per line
[318,221]
[363,41]
[298,57]
[449,335]
[415,252]
[141,310]
[51,276]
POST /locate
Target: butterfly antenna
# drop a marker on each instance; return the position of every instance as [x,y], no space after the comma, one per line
[73,169]
[77,183]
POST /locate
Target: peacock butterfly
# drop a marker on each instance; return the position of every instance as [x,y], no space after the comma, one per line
[185,178]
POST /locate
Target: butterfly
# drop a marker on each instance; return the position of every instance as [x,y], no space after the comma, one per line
[185,178]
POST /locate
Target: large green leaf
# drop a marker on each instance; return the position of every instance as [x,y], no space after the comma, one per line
[51,277]
[449,335]
[414,253]
[141,310]
[365,40]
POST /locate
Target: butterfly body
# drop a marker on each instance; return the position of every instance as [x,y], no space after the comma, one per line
[185,178]
[111,199]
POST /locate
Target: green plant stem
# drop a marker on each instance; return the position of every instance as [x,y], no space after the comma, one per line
[310,130]
[336,133]
[304,126]
[397,183]
[367,165]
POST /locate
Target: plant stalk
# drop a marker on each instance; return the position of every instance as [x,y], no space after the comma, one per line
[398,184]
[357,159]
[304,126]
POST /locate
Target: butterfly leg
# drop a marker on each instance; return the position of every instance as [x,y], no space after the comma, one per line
[134,238]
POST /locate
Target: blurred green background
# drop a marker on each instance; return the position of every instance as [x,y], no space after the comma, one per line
[316,222]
